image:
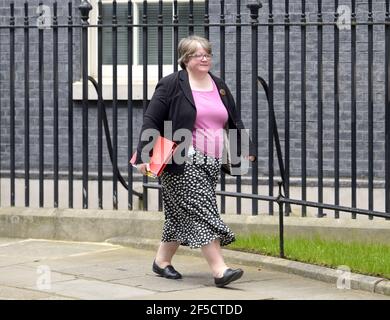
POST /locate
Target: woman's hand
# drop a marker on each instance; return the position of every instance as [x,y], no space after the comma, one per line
[250,158]
[143,168]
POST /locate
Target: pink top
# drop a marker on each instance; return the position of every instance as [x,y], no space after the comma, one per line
[211,117]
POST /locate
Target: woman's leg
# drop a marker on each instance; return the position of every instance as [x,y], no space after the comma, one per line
[213,254]
[165,253]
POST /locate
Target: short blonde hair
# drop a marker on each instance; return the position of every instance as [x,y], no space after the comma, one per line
[188,46]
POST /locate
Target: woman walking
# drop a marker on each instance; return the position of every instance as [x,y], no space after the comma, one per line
[193,99]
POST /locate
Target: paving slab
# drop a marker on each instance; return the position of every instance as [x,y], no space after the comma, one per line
[33,248]
[298,288]
[96,290]
[12,293]
[24,276]
[209,293]
[47,269]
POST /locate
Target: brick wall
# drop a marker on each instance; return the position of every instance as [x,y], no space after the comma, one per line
[230,11]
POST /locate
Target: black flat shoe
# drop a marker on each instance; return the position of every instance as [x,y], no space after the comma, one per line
[168,272]
[228,276]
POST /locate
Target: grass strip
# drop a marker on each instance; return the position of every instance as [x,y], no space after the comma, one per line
[364,258]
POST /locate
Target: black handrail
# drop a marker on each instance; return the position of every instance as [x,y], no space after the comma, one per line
[276,137]
[108,139]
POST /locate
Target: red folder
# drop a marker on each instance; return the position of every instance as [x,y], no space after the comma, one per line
[162,153]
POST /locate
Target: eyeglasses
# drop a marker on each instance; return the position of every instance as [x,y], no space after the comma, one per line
[208,56]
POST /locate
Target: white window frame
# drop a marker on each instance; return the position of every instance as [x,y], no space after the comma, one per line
[121,69]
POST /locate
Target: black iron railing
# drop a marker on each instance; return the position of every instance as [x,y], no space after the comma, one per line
[255,29]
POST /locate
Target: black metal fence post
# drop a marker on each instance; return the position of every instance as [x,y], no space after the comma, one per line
[271,105]
[254,14]
[238,91]
[114,106]
[12,100]
[336,111]
[100,106]
[303,108]
[387,108]
[41,113]
[175,27]
[353,107]
[206,20]
[145,83]
[129,101]
[287,102]
[281,220]
[370,78]
[320,122]
[191,18]
[222,74]
[55,104]
[70,104]
[26,108]
[160,22]
[85,7]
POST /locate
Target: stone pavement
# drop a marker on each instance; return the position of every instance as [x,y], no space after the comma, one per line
[47,269]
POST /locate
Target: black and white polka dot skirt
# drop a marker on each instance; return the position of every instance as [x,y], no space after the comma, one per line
[190,204]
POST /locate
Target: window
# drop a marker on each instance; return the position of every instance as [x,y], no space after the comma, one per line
[152,16]
[183,13]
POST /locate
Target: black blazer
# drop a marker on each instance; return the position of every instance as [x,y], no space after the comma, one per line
[173,101]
